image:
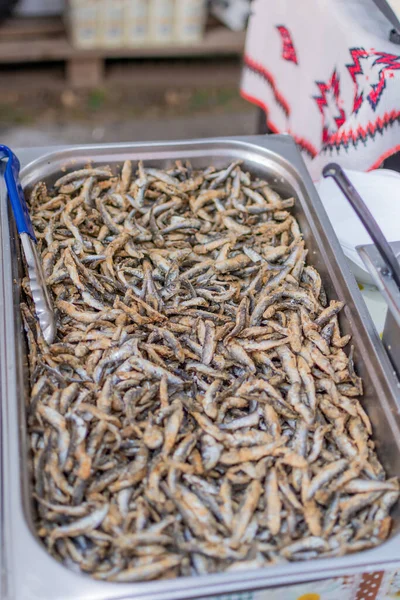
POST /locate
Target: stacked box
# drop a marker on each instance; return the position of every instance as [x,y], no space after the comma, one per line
[83,23]
[136,17]
[190,17]
[161,19]
[111,17]
[118,23]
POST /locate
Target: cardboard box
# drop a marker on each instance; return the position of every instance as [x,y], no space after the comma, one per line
[111,16]
[136,22]
[190,19]
[83,23]
[161,19]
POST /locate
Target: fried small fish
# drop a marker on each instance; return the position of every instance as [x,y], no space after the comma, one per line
[197,412]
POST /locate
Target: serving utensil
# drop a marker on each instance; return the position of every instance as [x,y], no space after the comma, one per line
[40,294]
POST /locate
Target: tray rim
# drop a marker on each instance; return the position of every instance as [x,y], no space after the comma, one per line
[259,579]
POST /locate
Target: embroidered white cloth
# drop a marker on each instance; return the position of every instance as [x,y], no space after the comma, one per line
[326,72]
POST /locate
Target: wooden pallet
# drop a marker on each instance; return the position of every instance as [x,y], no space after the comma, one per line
[35,40]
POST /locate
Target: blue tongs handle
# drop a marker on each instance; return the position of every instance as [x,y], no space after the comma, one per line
[15,193]
[40,293]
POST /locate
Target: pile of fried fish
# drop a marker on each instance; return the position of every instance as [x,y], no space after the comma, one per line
[197,412]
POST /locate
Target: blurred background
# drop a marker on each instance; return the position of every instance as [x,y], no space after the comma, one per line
[81,71]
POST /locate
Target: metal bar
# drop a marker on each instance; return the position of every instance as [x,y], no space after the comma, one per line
[336,172]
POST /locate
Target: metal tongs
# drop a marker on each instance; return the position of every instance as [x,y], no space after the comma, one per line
[380,260]
[40,294]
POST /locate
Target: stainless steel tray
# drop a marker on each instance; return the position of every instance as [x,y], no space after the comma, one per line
[28,572]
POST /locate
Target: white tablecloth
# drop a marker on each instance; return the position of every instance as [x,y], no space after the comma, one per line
[326,72]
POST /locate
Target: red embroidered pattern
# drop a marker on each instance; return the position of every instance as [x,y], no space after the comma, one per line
[343,139]
[304,145]
[328,104]
[380,66]
[258,69]
[288,51]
